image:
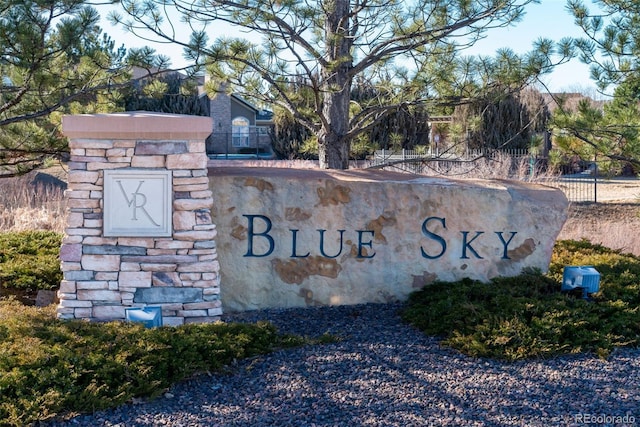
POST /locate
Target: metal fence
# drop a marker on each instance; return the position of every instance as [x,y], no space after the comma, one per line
[576,188]
[581,187]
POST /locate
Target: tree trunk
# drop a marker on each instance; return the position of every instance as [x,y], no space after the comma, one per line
[333,144]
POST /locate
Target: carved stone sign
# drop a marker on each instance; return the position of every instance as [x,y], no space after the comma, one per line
[137,203]
[314,237]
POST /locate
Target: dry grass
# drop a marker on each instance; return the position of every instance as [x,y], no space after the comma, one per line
[612,225]
[498,166]
[31,203]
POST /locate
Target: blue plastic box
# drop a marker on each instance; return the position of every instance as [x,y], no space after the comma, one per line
[585,277]
[151,317]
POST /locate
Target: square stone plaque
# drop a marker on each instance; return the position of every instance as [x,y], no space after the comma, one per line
[137,203]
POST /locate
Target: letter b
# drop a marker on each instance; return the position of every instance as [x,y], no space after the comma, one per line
[265,234]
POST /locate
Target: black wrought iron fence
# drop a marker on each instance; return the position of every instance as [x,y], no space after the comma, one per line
[578,187]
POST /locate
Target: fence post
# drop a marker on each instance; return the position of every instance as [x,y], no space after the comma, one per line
[595,183]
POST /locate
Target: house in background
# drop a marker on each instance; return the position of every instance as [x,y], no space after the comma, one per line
[239,128]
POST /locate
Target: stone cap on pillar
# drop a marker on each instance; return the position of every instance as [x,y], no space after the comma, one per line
[137,125]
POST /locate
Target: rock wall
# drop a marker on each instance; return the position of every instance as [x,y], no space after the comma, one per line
[139,230]
[291,238]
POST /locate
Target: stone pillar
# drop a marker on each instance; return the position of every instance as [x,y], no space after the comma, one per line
[139,230]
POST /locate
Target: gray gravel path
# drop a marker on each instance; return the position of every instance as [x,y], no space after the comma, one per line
[385,373]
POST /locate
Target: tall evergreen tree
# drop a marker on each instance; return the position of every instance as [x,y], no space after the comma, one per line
[611,46]
[54,58]
[411,51]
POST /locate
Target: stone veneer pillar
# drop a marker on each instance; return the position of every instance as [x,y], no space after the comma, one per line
[107,268]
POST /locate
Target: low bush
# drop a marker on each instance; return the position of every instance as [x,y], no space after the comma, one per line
[29,260]
[528,317]
[50,367]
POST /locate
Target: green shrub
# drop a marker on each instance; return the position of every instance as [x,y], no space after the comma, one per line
[528,317]
[29,260]
[50,367]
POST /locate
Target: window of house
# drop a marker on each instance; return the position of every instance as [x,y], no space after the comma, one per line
[240,132]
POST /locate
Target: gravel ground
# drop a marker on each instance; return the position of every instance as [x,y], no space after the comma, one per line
[385,373]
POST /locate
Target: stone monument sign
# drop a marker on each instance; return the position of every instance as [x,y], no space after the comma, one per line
[139,230]
[317,237]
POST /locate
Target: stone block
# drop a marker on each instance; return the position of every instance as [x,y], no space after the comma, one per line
[193,236]
[184,220]
[71,253]
[70,240]
[148,162]
[171,307]
[164,295]
[67,303]
[89,143]
[200,194]
[142,242]
[187,161]
[98,241]
[197,147]
[147,148]
[130,266]
[205,305]
[99,295]
[158,267]
[192,313]
[113,250]
[190,276]
[75,219]
[161,259]
[98,166]
[83,313]
[215,312]
[67,287]
[78,194]
[204,283]
[192,181]
[84,232]
[135,279]
[92,285]
[80,176]
[174,244]
[192,204]
[163,278]
[173,321]
[108,312]
[83,203]
[101,262]
[107,275]
[67,295]
[70,266]
[95,152]
[78,275]
[298,238]
[162,252]
[205,244]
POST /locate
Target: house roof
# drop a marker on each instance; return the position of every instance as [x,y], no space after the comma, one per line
[262,115]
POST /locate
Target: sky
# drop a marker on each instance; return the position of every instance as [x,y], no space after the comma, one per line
[548,19]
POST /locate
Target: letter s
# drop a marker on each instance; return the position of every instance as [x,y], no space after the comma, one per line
[433,236]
